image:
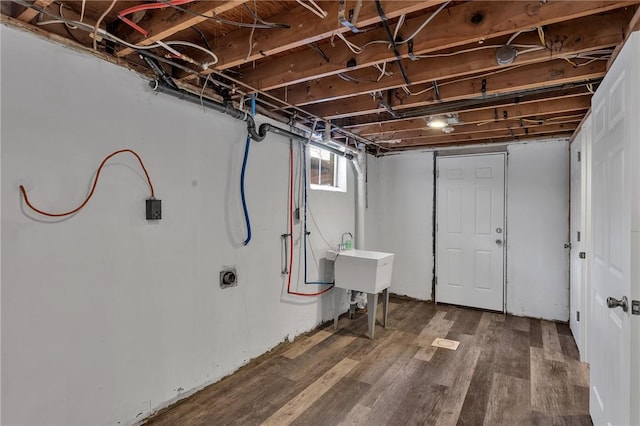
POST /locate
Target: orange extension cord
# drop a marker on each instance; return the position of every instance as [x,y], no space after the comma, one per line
[93,187]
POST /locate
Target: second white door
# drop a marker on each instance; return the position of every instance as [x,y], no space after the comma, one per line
[470,231]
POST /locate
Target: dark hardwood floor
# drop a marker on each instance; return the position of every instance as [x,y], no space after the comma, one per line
[507,371]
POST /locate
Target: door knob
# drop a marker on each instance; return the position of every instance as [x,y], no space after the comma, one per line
[622,303]
[499,242]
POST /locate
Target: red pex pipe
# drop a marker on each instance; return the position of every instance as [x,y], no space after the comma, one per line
[123,13]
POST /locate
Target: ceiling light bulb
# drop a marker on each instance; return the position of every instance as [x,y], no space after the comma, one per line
[437,122]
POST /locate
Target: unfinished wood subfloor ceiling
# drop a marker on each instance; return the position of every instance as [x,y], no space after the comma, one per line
[506,371]
[393,75]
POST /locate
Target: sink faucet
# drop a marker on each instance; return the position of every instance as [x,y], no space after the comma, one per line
[346,245]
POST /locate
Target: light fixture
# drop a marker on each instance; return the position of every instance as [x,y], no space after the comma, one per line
[443,122]
[437,122]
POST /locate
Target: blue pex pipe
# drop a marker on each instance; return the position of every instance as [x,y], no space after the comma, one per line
[247,220]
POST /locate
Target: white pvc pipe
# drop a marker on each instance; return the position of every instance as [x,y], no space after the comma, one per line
[359,167]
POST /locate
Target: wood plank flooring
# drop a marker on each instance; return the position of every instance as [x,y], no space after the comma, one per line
[506,371]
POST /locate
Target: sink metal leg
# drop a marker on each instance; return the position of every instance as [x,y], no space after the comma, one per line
[372,301]
[336,309]
[385,306]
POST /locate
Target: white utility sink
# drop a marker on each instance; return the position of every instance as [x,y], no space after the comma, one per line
[366,271]
[363,270]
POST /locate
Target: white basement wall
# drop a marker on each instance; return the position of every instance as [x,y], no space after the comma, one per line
[401,200]
[106,316]
[401,197]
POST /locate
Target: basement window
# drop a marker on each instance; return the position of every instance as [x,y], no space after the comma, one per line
[327,171]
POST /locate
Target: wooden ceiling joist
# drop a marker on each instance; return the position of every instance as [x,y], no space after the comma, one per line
[537,109]
[316,69]
[530,77]
[305,28]
[28,14]
[167,22]
[480,129]
[497,19]
[560,130]
[587,38]
[544,95]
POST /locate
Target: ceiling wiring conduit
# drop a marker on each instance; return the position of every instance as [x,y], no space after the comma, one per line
[257,133]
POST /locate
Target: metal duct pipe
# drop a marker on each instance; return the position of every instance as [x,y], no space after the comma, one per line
[256,134]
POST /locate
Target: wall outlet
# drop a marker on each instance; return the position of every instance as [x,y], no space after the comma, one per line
[154,209]
[228,277]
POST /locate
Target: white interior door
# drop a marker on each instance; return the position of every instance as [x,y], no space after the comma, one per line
[614,139]
[576,238]
[470,231]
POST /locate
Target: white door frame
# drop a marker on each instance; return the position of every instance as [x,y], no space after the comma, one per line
[505,154]
[576,240]
[584,199]
[586,224]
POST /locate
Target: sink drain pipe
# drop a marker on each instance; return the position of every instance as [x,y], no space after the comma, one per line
[257,133]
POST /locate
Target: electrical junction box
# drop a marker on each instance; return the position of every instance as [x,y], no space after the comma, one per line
[228,277]
[154,209]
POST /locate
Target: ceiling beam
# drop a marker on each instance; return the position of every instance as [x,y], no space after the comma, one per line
[305,28]
[576,37]
[510,81]
[479,130]
[28,13]
[166,22]
[496,19]
[499,114]
[356,123]
[72,36]
[504,135]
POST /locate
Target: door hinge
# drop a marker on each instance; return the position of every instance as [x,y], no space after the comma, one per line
[578,235]
[578,316]
[437,173]
[579,156]
[435,280]
[582,255]
[635,307]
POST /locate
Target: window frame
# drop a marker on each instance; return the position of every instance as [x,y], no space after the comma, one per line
[339,171]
